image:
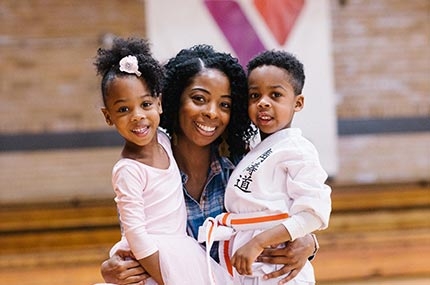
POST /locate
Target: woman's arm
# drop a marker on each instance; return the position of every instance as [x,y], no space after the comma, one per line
[122,269]
[293,256]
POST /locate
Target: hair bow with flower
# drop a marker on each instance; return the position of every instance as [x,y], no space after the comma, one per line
[129,64]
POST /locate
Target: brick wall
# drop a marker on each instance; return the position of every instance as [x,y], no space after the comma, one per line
[382,70]
[48,84]
[382,58]
[47,47]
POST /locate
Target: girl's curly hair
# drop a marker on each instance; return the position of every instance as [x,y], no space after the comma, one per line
[107,64]
[181,69]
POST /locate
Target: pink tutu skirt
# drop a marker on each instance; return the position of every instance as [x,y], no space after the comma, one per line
[183,262]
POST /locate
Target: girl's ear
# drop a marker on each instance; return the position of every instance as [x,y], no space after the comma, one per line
[107,116]
[300,103]
[160,108]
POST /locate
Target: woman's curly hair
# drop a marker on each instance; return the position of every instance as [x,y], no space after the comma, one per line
[107,64]
[180,71]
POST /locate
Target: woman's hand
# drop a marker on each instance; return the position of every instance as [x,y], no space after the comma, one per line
[123,269]
[293,256]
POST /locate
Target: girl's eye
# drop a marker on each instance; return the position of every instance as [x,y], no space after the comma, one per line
[276,94]
[123,109]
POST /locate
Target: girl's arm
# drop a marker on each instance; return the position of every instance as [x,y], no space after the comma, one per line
[152,266]
[128,181]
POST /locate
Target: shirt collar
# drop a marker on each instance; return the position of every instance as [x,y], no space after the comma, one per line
[218,163]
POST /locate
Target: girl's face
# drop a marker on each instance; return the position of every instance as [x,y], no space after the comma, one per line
[132,109]
[205,107]
[272,102]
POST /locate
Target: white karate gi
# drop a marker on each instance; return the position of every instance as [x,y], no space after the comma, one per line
[281,174]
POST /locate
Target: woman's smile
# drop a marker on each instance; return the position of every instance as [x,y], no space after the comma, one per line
[207,130]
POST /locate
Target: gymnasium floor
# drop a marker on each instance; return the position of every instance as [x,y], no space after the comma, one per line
[89,274]
[377,236]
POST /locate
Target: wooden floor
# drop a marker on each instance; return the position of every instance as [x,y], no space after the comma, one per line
[377,235]
[88,274]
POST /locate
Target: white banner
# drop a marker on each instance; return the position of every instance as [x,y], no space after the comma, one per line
[246,27]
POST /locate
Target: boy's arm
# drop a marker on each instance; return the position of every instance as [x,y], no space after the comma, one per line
[244,257]
[292,228]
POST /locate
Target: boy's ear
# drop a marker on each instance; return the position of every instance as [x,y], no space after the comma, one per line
[107,116]
[300,103]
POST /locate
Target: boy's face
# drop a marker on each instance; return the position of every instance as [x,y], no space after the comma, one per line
[272,102]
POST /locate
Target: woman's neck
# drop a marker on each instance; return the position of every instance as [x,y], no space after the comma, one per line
[190,158]
[194,161]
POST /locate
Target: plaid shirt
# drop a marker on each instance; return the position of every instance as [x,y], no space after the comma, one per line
[211,201]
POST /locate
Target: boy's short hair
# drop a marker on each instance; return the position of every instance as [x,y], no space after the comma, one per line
[284,60]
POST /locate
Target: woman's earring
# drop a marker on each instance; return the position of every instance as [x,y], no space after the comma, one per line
[174,139]
[223,148]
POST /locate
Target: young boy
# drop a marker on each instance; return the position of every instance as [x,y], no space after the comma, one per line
[277,192]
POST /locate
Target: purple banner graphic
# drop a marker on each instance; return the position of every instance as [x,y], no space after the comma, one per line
[237,29]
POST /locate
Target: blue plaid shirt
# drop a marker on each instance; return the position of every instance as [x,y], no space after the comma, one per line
[211,201]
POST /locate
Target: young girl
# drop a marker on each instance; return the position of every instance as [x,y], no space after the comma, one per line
[146,179]
[277,192]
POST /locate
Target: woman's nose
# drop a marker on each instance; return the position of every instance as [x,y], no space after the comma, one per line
[211,111]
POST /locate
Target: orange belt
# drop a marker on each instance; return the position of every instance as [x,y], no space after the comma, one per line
[224,226]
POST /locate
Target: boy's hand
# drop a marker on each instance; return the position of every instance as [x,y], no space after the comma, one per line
[244,257]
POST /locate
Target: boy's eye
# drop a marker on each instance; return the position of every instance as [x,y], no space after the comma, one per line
[276,94]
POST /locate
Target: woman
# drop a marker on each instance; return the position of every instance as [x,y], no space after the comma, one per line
[205,101]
